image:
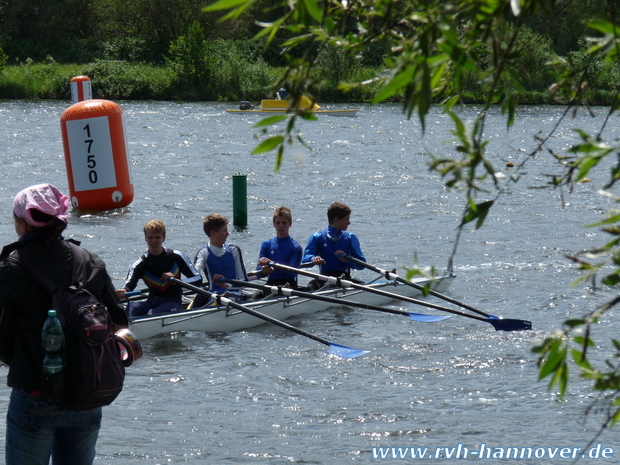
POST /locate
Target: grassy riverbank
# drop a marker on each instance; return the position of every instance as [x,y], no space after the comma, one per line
[231,80]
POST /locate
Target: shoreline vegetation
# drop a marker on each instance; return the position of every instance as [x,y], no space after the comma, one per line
[182,53]
[121,80]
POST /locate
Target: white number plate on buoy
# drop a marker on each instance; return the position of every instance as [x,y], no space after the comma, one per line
[90,148]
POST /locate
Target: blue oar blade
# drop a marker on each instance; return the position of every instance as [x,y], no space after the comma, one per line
[509,324]
[427,318]
[344,351]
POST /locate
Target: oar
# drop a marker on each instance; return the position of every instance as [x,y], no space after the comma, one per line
[500,324]
[143,293]
[334,349]
[285,291]
[252,275]
[394,277]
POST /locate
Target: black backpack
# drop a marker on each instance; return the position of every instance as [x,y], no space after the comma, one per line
[94,372]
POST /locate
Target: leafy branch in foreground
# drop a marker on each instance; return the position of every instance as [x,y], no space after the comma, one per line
[575,342]
[436,47]
[572,345]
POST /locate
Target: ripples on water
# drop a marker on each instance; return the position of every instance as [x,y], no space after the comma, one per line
[268,396]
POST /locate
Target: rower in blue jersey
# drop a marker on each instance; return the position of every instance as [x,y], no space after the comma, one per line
[325,247]
[154,268]
[219,259]
[282,249]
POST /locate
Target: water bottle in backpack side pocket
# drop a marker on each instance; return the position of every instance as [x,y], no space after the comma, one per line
[53,338]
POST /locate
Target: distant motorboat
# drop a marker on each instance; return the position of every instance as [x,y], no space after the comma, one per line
[277,106]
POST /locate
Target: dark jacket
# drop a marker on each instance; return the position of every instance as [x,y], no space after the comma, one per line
[150,269]
[24,303]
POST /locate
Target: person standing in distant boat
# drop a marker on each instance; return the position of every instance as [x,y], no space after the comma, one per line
[325,247]
[219,259]
[155,267]
[282,249]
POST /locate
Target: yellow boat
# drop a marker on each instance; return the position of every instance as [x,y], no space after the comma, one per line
[268,106]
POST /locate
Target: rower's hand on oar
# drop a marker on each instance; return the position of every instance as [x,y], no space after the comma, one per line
[220,281]
[166,277]
[317,260]
[265,268]
[340,254]
[121,293]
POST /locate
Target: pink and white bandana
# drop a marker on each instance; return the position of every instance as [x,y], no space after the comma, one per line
[43,197]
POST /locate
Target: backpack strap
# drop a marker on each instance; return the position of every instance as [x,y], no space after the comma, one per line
[43,279]
[79,273]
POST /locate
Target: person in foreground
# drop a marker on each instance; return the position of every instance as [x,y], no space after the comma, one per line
[325,247]
[281,249]
[219,259]
[35,429]
[155,267]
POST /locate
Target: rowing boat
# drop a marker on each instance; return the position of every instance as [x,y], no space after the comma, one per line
[228,319]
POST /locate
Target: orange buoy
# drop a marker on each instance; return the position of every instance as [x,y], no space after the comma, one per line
[93,137]
[80,89]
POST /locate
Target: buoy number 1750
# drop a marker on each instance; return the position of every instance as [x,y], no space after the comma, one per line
[90,157]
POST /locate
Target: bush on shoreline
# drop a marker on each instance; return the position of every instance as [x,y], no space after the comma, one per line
[232,71]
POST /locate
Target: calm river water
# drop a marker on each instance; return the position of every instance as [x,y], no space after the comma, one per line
[266,396]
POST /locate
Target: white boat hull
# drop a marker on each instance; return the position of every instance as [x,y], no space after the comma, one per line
[222,319]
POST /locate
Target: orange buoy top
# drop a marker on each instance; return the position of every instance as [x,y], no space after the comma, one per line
[81,89]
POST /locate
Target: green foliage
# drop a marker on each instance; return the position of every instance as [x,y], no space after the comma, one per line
[191,60]
[572,346]
[120,80]
[599,73]
[125,49]
[147,31]
[563,22]
[240,73]
[31,80]
[334,70]
[531,52]
[3,59]
[63,50]
[157,23]
[227,71]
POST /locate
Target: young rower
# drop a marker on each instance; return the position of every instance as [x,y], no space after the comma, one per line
[281,249]
[325,247]
[219,259]
[154,268]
